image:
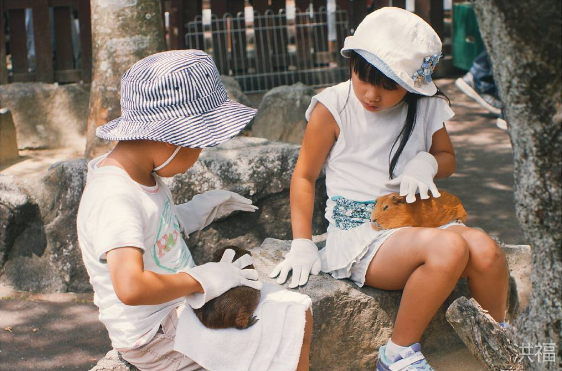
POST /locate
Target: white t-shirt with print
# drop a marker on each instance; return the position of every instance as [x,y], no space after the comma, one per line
[115,212]
[357,165]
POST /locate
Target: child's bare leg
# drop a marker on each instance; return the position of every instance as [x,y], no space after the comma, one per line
[486,271]
[426,263]
[305,350]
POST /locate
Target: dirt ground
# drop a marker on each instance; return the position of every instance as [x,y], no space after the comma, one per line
[62,331]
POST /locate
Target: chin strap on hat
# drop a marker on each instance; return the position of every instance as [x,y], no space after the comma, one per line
[167,161]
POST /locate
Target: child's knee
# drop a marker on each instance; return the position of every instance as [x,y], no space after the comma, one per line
[485,254]
[450,253]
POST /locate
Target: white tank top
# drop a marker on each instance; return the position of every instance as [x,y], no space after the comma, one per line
[357,166]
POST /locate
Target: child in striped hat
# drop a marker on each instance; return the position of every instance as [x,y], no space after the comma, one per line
[144,277]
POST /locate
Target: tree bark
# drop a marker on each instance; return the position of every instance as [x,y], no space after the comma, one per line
[523,41]
[123,32]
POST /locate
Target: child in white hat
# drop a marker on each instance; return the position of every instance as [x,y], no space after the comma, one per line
[144,277]
[381,132]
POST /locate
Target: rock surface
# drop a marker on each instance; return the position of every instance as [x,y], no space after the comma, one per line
[281,113]
[8,138]
[350,324]
[44,255]
[257,169]
[47,115]
[235,91]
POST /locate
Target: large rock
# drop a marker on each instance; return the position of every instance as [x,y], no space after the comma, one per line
[350,324]
[16,212]
[281,113]
[235,92]
[257,169]
[8,138]
[45,255]
[47,115]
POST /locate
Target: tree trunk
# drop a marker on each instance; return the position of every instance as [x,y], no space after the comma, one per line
[123,32]
[523,40]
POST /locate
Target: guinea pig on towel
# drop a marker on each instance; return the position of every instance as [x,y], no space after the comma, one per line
[392,211]
[235,308]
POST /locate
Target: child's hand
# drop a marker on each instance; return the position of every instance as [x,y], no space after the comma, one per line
[418,174]
[204,208]
[303,259]
[218,278]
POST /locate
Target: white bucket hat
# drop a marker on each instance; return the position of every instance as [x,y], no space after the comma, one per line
[176,97]
[401,45]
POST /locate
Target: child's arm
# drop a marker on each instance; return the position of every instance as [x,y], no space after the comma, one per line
[321,133]
[442,150]
[136,286]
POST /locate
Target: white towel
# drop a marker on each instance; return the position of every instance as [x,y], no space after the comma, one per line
[272,344]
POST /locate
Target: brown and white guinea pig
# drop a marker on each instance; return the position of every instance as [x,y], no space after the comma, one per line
[392,211]
[235,308]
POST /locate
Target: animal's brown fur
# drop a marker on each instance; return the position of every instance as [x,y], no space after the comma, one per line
[234,308]
[392,211]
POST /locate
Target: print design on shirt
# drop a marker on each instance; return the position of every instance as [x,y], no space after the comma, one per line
[168,241]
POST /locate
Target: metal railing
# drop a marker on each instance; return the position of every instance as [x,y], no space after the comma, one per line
[262,51]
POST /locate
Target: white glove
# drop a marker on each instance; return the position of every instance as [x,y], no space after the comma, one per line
[218,278]
[418,174]
[211,205]
[303,259]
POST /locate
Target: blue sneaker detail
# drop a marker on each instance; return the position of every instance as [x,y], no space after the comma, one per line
[410,359]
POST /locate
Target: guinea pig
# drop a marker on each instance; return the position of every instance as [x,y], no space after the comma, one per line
[392,211]
[234,308]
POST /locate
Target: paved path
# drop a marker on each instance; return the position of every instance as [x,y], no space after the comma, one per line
[62,332]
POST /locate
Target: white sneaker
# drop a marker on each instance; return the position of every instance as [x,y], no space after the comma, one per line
[488,101]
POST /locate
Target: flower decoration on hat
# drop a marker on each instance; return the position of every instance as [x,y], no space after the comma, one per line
[423,75]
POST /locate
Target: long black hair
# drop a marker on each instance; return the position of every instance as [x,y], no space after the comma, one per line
[368,73]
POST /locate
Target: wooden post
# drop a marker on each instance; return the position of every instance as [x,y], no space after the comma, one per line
[3,67]
[63,39]
[84,18]
[358,12]
[194,31]
[18,41]
[42,33]
[432,12]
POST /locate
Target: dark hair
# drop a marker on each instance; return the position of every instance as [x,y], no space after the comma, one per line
[368,73]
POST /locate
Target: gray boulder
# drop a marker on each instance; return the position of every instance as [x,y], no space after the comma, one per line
[44,255]
[256,169]
[281,113]
[350,324]
[235,91]
[8,138]
[47,115]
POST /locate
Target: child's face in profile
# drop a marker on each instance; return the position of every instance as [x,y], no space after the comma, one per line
[376,98]
[185,158]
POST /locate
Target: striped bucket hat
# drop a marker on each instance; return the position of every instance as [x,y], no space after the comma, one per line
[176,97]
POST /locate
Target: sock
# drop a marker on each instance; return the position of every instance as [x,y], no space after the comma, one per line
[392,350]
